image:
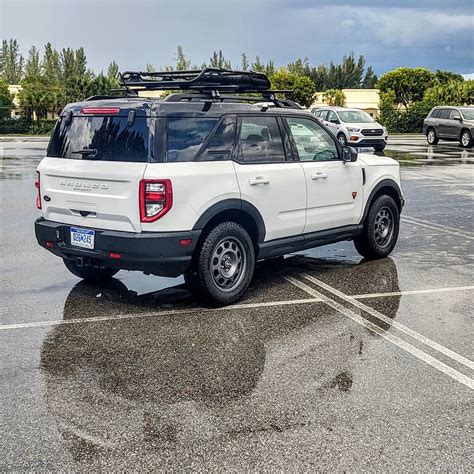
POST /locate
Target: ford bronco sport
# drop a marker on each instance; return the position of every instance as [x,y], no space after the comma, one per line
[204,183]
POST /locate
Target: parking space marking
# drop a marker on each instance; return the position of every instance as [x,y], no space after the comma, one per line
[438,227]
[401,327]
[96,319]
[437,364]
[413,292]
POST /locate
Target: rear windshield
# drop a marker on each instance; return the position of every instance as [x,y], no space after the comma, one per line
[101,139]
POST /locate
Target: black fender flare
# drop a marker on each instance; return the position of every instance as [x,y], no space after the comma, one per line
[383,184]
[233,205]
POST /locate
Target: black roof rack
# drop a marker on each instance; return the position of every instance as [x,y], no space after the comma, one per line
[208,79]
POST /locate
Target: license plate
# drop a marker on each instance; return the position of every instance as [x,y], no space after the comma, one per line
[82,238]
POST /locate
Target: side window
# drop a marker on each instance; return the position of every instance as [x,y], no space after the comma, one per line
[444,113]
[455,114]
[435,113]
[332,117]
[312,141]
[260,140]
[323,115]
[185,137]
[221,143]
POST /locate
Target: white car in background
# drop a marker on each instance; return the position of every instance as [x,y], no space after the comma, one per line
[353,127]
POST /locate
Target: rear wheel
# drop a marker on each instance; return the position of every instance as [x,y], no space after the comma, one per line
[223,266]
[431,137]
[466,139]
[90,274]
[381,229]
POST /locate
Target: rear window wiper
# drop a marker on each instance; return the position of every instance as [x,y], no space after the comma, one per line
[86,152]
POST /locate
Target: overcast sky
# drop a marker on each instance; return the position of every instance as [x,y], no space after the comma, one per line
[438,34]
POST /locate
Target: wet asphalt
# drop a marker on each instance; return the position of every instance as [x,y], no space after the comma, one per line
[329,363]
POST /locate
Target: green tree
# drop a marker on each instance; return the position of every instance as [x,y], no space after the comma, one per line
[445,76]
[182,63]
[370,79]
[67,61]
[302,87]
[244,62]
[408,84]
[451,92]
[257,65]
[11,62]
[37,97]
[113,71]
[76,89]
[51,64]
[32,65]
[80,62]
[218,60]
[6,101]
[334,97]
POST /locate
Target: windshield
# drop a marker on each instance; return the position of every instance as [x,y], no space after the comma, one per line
[468,114]
[355,116]
[101,139]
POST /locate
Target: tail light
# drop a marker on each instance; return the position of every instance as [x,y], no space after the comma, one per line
[156,199]
[38,187]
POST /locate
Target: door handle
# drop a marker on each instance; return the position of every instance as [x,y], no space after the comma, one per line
[259,180]
[319,175]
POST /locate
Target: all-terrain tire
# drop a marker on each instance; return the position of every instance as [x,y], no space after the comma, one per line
[223,265]
[381,228]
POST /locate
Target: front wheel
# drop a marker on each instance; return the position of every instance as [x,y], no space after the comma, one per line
[379,147]
[342,139]
[90,274]
[466,139]
[381,228]
[223,266]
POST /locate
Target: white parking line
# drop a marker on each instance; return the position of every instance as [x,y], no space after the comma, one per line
[441,366]
[96,319]
[57,322]
[413,292]
[401,327]
[438,227]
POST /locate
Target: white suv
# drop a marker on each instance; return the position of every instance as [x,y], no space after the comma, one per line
[353,127]
[205,184]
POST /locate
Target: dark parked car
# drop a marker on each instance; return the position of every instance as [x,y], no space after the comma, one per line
[450,123]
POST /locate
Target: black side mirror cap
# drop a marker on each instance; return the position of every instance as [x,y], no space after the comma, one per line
[349,154]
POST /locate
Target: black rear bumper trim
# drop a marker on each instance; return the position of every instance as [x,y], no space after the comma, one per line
[158,253]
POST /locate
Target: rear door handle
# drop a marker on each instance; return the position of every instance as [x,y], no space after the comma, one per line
[319,175]
[259,180]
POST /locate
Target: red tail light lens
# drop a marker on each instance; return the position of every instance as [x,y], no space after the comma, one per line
[156,199]
[100,111]
[38,187]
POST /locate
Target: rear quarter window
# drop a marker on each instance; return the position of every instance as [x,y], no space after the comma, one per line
[101,138]
[185,137]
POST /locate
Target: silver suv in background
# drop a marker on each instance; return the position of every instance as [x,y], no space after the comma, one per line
[451,124]
[353,127]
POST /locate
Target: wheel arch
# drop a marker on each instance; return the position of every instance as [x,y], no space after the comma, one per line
[237,210]
[464,129]
[385,187]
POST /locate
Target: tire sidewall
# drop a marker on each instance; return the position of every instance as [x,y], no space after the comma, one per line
[213,293]
[469,144]
[434,141]
[339,139]
[379,203]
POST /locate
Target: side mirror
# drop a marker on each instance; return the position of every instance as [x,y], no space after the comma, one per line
[458,119]
[335,121]
[349,154]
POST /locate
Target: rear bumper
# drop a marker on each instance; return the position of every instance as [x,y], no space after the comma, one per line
[158,253]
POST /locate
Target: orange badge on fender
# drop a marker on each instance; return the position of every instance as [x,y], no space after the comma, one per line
[354,194]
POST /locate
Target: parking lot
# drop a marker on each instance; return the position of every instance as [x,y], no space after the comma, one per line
[330,362]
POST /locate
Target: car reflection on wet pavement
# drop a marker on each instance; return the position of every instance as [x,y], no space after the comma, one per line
[330,362]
